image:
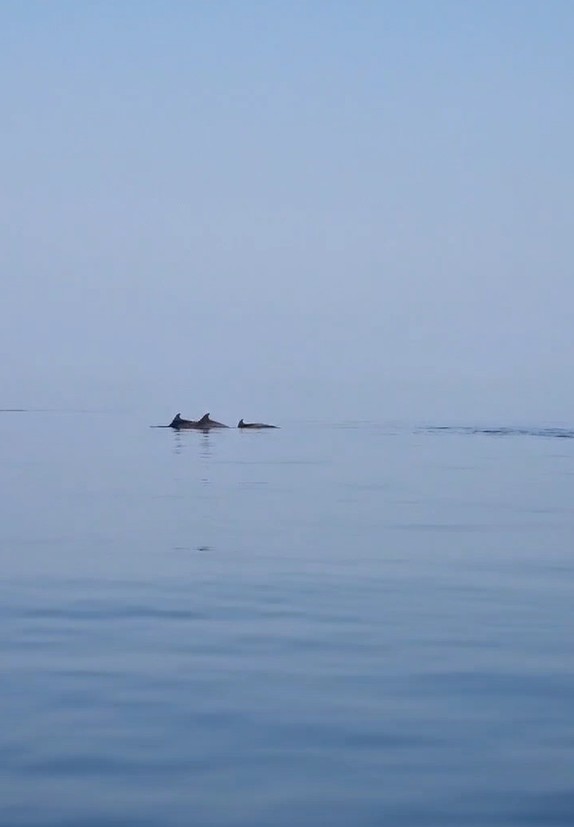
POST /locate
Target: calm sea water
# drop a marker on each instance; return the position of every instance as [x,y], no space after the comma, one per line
[350,624]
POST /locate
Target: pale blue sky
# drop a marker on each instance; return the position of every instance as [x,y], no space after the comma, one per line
[273,209]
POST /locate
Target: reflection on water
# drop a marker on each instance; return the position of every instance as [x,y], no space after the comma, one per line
[202,444]
[205,439]
[340,625]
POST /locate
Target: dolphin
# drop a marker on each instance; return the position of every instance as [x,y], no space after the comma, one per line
[203,424]
[242,424]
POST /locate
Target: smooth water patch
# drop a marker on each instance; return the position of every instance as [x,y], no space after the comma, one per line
[351,624]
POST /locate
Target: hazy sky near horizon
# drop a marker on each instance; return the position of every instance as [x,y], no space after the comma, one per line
[281,209]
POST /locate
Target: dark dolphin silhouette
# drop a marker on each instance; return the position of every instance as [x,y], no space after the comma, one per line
[242,424]
[203,424]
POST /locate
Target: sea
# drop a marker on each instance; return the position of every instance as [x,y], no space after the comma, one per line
[352,624]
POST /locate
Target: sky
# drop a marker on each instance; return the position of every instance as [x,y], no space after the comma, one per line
[282,210]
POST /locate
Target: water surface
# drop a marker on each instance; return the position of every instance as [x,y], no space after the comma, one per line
[340,623]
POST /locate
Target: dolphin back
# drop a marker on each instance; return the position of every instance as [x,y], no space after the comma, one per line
[254,425]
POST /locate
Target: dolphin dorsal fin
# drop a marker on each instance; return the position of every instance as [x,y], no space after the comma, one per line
[240,423]
[204,418]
